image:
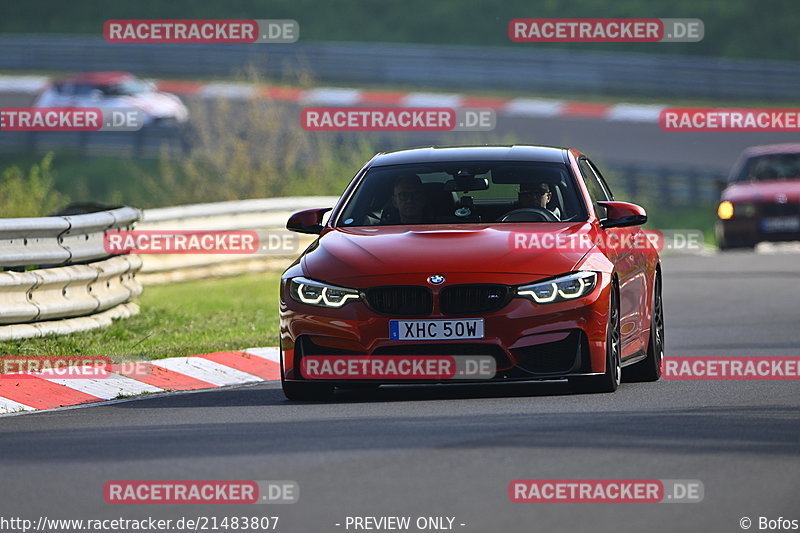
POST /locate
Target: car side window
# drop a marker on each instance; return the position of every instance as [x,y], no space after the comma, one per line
[597,190]
[602,180]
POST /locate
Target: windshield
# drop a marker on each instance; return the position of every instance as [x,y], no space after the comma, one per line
[466,192]
[771,167]
[76,89]
[127,88]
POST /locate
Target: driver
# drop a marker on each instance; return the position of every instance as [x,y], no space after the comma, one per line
[536,195]
[411,205]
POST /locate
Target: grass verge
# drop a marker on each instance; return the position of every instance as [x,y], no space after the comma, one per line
[180,319]
[684,218]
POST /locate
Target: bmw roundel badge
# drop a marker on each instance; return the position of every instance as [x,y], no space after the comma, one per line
[436,279]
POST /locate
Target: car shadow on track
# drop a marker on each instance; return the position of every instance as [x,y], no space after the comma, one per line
[273,396]
[403,393]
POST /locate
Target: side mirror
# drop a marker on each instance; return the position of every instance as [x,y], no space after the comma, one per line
[308,221]
[622,214]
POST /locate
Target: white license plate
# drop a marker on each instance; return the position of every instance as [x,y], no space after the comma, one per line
[467,328]
[780,224]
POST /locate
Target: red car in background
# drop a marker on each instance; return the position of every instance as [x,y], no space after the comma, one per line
[761,201]
[419,258]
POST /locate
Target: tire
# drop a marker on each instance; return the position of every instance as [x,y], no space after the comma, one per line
[300,391]
[724,246]
[724,242]
[611,379]
[650,368]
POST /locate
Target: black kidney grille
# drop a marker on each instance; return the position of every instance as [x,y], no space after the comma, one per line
[401,300]
[468,299]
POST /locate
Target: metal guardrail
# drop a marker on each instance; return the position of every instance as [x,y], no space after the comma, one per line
[524,67]
[60,240]
[666,185]
[73,277]
[79,282]
[67,292]
[237,214]
[265,216]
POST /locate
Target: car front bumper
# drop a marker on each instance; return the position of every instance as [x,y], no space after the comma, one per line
[527,341]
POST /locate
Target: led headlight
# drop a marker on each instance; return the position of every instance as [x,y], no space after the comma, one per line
[321,294]
[560,289]
[725,210]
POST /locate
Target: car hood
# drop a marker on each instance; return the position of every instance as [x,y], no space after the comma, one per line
[367,256]
[764,191]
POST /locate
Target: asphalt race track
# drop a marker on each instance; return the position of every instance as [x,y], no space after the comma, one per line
[605,141]
[440,451]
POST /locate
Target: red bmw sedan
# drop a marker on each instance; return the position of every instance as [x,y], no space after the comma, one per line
[515,256]
[761,201]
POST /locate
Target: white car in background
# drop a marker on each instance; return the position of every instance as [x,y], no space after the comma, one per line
[115,90]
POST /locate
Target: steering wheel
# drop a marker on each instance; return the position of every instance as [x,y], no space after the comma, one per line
[530,214]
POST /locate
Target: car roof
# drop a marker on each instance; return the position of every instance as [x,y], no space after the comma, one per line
[429,154]
[768,149]
[98,78]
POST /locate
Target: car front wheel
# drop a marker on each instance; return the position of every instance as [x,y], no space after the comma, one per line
[612,377]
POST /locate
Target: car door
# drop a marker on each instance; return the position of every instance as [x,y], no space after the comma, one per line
[630,263]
